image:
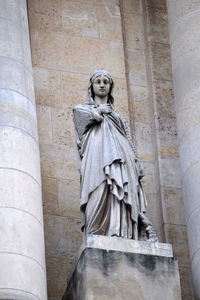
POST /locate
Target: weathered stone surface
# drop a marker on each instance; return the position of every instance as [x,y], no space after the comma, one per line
[176,235]
[47,85]
[173,209]
[161,64]
[68,197]
[57,270]
[55,160]
[62,236]
[63,131]
[50,195]
[104,275]
[134,31]
[126,245]
[145,137]
[130,7]
[164,98]
[44,124]
[109,22]
[136,66]
[158,26]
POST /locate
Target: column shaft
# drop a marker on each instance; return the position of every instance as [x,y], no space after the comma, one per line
[184,25]
[22,256]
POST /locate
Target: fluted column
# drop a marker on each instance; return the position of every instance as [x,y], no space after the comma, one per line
[184,25]
[22,256]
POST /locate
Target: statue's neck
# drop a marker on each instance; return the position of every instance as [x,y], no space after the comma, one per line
[100,100]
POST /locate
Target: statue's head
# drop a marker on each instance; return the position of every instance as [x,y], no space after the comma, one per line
[93,77]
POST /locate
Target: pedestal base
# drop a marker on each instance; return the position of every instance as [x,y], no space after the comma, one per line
[102,274]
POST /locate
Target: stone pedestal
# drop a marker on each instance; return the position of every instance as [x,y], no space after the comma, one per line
[115,268]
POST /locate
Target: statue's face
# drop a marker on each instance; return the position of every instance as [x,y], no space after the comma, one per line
[101,86]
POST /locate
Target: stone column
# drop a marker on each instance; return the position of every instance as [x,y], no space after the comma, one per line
[184,25]
[22,256]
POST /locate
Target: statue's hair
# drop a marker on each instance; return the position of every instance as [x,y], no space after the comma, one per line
[90,93]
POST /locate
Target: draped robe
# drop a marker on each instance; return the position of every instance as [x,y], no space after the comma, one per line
[111,193]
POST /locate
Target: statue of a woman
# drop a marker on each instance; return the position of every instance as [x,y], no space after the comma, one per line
[112,198]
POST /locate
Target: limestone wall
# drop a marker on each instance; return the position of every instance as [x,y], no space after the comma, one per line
[129,38]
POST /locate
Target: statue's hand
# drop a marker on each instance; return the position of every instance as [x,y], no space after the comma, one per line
[104,108]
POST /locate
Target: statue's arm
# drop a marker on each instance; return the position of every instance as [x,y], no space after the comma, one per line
[84,117]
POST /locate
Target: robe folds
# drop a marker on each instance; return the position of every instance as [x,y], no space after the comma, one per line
[111,193]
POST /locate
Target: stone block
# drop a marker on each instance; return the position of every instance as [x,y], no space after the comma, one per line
[176,234]
[160,4]
[164,98]
[157,28]
[130,7]
[57,271]
[126,245]
[87,55]
[143,112]
[63,236]
[173,207]
[55,160]
[166,131]
[44,124]
[71,94]
[136,66]
[69,197]
[133,30]
[79,19]
[121,97]
[47,85]
[63,128]
[145,141]
[109,20]
[49,19]
[148,181]
[161,62]
[45,7]
[138,92]
[106,274]
[50,195]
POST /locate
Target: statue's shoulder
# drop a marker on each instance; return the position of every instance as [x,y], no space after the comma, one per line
[81,108]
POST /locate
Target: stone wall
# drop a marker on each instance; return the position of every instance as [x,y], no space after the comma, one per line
[69,40]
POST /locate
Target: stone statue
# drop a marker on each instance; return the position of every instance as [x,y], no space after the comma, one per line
[112,199]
